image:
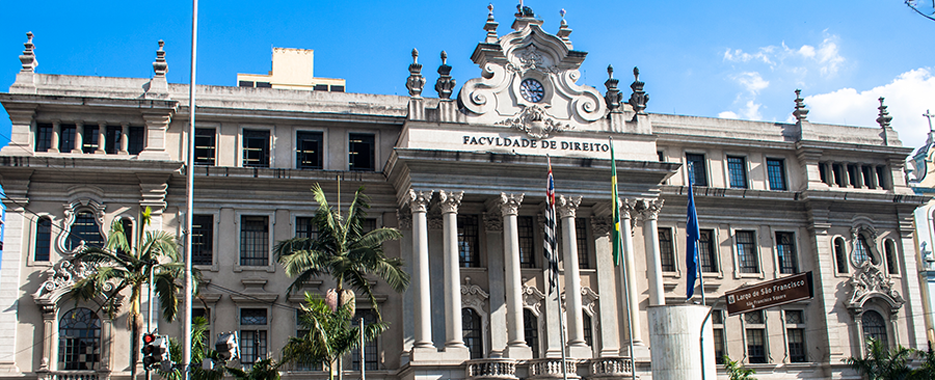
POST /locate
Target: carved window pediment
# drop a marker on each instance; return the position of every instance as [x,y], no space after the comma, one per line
[869,283]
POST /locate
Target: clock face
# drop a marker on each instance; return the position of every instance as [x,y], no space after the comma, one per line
[531,90]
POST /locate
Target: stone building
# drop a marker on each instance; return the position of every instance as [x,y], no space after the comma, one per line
[463,176]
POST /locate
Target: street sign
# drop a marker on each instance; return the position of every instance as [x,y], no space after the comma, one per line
[770,293]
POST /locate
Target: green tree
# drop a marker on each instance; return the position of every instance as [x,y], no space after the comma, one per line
[329,336]
[342,250]
[119,268]
[736,371]
[881,363]
[927,370]
[265,369]
[200,352]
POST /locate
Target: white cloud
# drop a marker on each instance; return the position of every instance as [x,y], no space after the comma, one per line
[907,98]
[826,57]
[728,115]
[751,81]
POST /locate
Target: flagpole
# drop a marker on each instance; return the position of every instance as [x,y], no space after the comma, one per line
[626,282]
[561,325]
[551,257]
[189,207]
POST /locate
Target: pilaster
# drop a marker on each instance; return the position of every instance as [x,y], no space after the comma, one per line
[156,125]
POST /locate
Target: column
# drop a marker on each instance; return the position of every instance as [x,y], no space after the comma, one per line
[650,210]
[567,210]
[124,138]
[493,226]
[418,204]
[516,340]
[449,202]
[49,335]
[611,318]
[56,132]
[404,217]
[101,138]
[629,257]
[79,137]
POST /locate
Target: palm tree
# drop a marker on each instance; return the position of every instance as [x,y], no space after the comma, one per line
[342,250]
[737,371]
[882,363]
[329,335]
[120,267]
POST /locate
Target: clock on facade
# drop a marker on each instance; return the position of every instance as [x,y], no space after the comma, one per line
[531,90]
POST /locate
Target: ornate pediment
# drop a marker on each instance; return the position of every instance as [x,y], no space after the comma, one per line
[528,82]
[60,279]
[472,295]
[532,298]
[868,283]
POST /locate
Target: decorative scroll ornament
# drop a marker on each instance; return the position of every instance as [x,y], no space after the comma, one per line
[589,299]
[472,295]
[869,282]
[59,281]
[531,59]
[534,121]
[532,298]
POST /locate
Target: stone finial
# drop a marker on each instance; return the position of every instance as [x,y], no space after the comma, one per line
[613,97]
[885,118]
[445,84]
[524,11]
[416,82]
[564,31]
[28,58]
[491,26]
[160,67]
[800,111]
[638,98]
[928,115]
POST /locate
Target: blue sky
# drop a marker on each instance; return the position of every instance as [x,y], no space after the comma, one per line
[711,58]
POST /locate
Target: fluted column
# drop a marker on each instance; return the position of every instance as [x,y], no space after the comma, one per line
[124,138]
[516,340]
[56,132]
[650,210]
[101,138]
[567,209]
[418,204]
[449,202]
[627,207]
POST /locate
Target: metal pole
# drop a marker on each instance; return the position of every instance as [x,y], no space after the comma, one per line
[189,205]
[630,314]
[363,357]
[149,308]
[561,320]
[701,335]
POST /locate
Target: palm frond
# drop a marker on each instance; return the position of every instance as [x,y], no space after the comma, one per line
[167,291]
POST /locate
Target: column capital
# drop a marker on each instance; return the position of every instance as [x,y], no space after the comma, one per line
[418,201]
[567,207]
[404,218]
[435,221]
[493,222]
[649,208]
[509,204]
[601,226]
[627,207]
[450,201]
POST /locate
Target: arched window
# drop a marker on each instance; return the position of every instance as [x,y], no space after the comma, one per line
[79,340]
[874,326]
[840,255]
[892,264]
[862,251]
[473,335]
[531,324]
[84,229]
[588,333]
[43,239]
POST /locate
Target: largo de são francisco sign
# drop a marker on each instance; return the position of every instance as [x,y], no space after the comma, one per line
[770,293]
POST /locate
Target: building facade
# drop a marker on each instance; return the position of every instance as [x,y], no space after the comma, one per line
[463,176]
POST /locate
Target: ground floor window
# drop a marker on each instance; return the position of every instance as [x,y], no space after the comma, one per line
[79,340]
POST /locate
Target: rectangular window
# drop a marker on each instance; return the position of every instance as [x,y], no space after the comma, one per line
[43,239]
[468,255]
[717,324]
[581,234]
[308,153]
[696,169]
[785,250]
[43,137]
[113,135]
[205,146]
[371,356]
[321,87]
[867,174]
[737,171]
[526,242]
[838,171]
[305,227]
[252,335]
[136,140]
[706,251]
[361,151]
[203,239]
[892,263]
[823,174]
[746,252]
[254,240]
[756,346]
[795,335]
[263,85]
[852,175]
[667,249]
[881,177]
[245,83]
[337,88]
[89,139]
[776,171]
[66,138]
[255,148]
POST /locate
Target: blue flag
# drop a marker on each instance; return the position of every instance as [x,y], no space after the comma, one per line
[691,246]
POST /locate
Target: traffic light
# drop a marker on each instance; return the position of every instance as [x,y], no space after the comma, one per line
[149,350]
[227,346]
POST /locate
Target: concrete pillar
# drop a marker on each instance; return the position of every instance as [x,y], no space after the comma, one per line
[404,217]
[567,210]
[101,138]
[650,210]
[493,226]
[56,132]
[610,316]
[676,341]
[418,205]
[449,203]
[516,341]
[10,271]
[125,139]
[79,137]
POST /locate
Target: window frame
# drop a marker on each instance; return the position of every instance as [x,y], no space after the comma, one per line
[781,264]
[271,223]
[743,182]
[244,131]
[690,169]
[526,235]
[300,151]
[202,133]
[373,345]
[261,330]
[43,137]
[351,152]
[777,181]
[891,257]
[213,266]
[714,256]
[534,343]
[801,328]
[34,258]
[472,349]
[840,257]
[756,327]
[471,242]
[98,341]
[717,325]
[667,260]
[740,267]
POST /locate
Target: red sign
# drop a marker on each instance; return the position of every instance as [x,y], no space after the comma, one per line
[770,293]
